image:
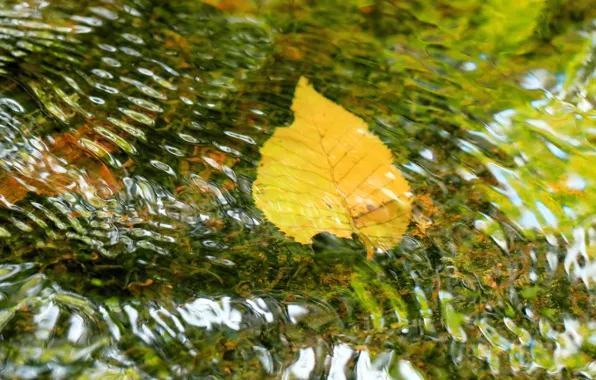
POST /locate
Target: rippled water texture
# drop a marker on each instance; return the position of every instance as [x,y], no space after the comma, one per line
[131,246]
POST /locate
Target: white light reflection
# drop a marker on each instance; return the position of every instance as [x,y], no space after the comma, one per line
[296,311]
[303,366]
[378,369]
[207,313]
[342,354]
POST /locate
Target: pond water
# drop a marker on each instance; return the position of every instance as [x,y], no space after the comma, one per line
[131,246]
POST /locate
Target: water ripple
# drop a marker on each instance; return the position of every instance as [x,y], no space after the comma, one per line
[131,247]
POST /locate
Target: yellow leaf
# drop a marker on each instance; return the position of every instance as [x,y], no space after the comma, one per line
[328,173]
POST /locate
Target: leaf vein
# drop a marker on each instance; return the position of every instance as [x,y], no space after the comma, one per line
[365,179]
[304,170]
[288,138]
[383,223]
[351,168]
[301,157]
[323,210]
[284,190]
[292,177]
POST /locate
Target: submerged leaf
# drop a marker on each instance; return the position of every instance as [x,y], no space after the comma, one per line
[328,173]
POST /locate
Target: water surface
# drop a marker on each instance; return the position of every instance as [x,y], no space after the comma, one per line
[131,246]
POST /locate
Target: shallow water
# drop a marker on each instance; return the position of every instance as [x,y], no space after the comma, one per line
[131,245]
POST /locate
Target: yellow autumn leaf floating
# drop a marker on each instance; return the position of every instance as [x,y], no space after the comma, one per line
[328,173]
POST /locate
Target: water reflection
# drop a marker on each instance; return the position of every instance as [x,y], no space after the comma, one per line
[131,247]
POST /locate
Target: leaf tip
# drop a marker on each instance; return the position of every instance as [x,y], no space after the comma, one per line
[303,82]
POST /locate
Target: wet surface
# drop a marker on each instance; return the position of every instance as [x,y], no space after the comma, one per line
[131,246]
